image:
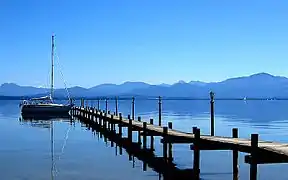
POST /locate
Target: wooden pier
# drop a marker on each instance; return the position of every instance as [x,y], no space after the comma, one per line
[259,152]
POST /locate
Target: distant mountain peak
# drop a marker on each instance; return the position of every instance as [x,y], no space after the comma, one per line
[181,82]
[134,82]
[262,74]
[197,83]
[9,85]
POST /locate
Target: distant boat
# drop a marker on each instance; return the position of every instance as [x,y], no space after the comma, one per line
[46,105]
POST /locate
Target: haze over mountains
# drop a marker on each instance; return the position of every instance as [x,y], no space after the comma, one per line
[256,86]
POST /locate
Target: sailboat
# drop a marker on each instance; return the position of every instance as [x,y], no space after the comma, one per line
[46,104]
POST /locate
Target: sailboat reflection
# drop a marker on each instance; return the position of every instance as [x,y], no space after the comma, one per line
[48,122]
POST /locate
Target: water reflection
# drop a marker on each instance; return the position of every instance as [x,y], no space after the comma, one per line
[167,170]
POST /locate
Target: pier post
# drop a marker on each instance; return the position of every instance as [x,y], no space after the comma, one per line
[106,105]
[144,135]
[108,120]
[196,162]
[151,138]
[139,132]
[254,149]
[165,134]
[98,103]
[212,113]
[120,125]
[235,156]
[100,118]
[159,110]
[112,123]
[116,106]
[104,121]
[130,128]
[133,107]
[96,115]
[170,154]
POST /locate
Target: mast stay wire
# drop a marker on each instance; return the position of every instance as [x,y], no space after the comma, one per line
[62,76]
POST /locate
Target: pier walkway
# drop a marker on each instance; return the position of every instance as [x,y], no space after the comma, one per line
[259,152]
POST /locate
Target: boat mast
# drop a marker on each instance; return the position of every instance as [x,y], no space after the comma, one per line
[52,68]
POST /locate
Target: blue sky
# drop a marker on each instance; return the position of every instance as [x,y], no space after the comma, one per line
[155,41]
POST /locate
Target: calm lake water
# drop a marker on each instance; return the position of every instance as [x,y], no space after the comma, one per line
[78,154]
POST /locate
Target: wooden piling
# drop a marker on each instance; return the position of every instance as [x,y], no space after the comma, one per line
[100,118]
[106,105]
[105,121]
[170,151]
[165,134]
[159,110]
[212,113]
[116,106]
[196,162]
[144,135]
[130,129]
[235,156]
[120,125]
[139,132]
[133,107]
[151,138]
[98,104]
[112,124]
[254,149]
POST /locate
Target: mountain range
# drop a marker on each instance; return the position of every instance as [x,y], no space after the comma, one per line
[257,86]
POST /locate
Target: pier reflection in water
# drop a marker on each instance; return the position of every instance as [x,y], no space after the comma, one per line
[166,170]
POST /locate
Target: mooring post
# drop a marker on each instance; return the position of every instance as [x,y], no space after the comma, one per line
[170,154]
[116,106]
[130,128]
[96,115]
[151,138]
[235,155]
[212,113]
[92,113]
[144,135]
[139,132]
[98,103]
[105,121]
[120,125]
[165,134]
[112,123]
[159,110]
[254,149]
[108,120]
[196,162]
[133,107]
[100,118]
[106,105]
